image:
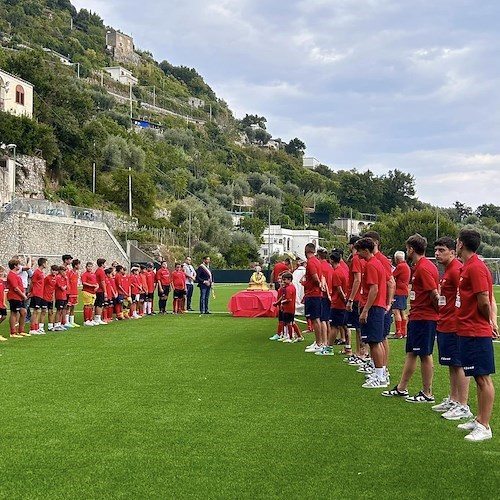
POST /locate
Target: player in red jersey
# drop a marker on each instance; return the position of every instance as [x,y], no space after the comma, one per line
[89,287]
[36,294]
[453,407]
[16,298]
[163,280]
[120,291]
[280,334]
[73,276]
[3,309]
[422,323]
[143,306]
[101,296]
[287,307]
[112,294]
[326,278]
[135,291]
[313,292]
[61,294]
[338,311]
[179,286]
[151,285]
[476,325]
[401,276]
[278,270]
[373,303]
[66,263]
[49,287]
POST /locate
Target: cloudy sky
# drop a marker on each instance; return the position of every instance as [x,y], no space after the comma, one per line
[378,84]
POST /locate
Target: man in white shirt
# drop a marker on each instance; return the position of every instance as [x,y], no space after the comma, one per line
[190,279]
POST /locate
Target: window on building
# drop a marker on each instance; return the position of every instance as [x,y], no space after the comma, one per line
[265,251]
[20,95]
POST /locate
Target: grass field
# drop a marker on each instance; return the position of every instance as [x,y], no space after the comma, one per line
[207,407]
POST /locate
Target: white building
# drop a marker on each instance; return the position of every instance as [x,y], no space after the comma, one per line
[63,59]
[354,227]
[122,75]
[310,162]
[16,95]
[278,240]
[194,102]
[7,179]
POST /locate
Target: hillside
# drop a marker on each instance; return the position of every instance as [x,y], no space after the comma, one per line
[191,168]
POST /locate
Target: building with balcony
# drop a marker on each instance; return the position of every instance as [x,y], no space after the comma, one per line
[16,95]
[122,75]
[278,240]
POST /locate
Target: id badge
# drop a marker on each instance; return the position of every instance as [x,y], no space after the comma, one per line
[457,301]
[442,300]
[412,295]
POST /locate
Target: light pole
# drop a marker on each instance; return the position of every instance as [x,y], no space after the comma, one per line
[12,147]
[130,191]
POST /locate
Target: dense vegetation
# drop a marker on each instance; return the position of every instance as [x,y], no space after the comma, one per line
[189,178]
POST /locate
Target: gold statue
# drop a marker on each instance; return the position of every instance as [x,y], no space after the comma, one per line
[258,280]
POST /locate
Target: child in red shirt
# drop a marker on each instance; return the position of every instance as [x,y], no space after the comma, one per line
[61,293]
[16,298]
[111,294]
[3,309]
[179,285]
[36,294]
[287,305]
[49,287]
[73,275]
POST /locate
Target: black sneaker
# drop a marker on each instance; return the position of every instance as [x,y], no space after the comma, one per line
[421,397]
[395,392]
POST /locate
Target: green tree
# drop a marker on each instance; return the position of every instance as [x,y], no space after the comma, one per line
[295,147]
[254,120]
[242,251]
[254,226]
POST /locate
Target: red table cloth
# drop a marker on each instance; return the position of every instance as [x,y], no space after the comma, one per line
[253,304]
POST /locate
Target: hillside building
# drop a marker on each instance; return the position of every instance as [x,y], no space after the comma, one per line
[122,75]
[310,162]
[16,95]
[120,45]
[278,240]
[354,227]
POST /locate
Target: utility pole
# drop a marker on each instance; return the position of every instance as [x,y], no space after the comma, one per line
[93,173]
[210,113]
[437,224]
[269,240]
[189,234]
[130,191]
[154,96]
[130,96]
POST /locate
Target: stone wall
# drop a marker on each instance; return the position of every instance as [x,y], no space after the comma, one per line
[30,177]
[52,236]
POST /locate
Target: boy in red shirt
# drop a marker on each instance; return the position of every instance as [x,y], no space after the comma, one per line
[101,296]
[279,335]
[3,309]
[73,275]
[49,287]
[135,291]
[163,280]
[89,287]
[287,306]
[151,285]
[61,294]
[373,302]
[120,290]
[401,275]
[422,323]
[476,325]
[111,293]
[36,294]
[143,304]
[16,298]
[179,285]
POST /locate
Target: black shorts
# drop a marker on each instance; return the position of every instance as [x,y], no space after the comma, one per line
[288,318]
[151,295]
[99,299]
[166,291]
[179,294]
[449,354]
[48,305]
[338,317]
[312,307]
[119,299]
[61,304]
[16,305]
[3,312]
[36,302]
[143,297]
[325,309]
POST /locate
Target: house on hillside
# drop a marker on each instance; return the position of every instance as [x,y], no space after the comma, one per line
[354,227]
[278,240]
[120,45]
[310,162]
[194,102]
[122,75]
[16,95]
[63,59]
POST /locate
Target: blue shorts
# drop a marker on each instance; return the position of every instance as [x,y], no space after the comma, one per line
[448,349]
[477,356]
[325,309]
[387,322]
[280,316]
[373,330]
[353,316]
[338,317]
[400,302]
[312,307]
[288,318]
[421,336]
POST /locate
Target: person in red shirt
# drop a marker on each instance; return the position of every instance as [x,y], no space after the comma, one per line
[401,275]
[163,279]
[89,287]
[279,335]
[422,323]
[3,309]
[287,307]
[338,310]
[61,294]
[66,262]
[278,270]
[73,276]
[373,303]
[16,298]
[313,292]
[179,285]
[120,291]
[49,287]
[150,292]
[101,296]
[135,291]
[356,268]
[453,407]
[326,278]
[476,325]
[36,294]
[111,293]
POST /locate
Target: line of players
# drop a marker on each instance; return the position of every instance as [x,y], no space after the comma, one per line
[107,291]
[457,308]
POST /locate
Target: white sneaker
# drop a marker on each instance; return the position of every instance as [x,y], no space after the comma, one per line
[458,412]
[479,433]
[310,346]
[59,329]
[41,331]
[89,323]
[288,341]
[468,426]
[34,332]
[375,383]
[314,348]
[365,368]
[445,405]
[101,322]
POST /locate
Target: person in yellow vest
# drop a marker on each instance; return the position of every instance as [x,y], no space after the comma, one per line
[258,280]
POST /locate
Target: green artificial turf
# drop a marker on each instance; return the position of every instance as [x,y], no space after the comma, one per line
[207,407]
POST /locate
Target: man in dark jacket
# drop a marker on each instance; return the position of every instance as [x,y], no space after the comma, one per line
[205,281]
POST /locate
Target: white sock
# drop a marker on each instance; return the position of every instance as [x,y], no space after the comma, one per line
[150,307]
[66,318]
[98,318]
[50,325]
[71,319]
[380,372]
[145,308]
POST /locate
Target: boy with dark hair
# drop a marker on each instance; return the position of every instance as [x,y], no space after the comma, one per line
[89,285]
[120,290]
[287,306]
[49,288]
[36,294]
[422,323]
[401,274]
[111,294]
[101,296]
[326,278]
[73,276]
[61,294]
[453,407]
[66,262]
[16,298]
[163,279]
[3,309]
[179,286]
[476,324]
[373,302]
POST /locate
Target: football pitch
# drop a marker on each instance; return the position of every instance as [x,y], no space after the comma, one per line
[207,407]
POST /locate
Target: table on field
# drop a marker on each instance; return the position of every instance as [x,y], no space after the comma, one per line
[253,304]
